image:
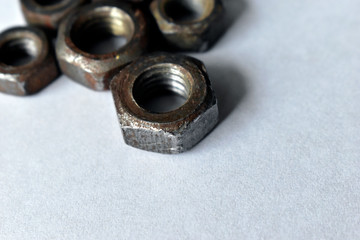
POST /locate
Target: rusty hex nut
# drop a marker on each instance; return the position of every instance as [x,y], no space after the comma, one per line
[27,63]
[189,25]
[48,14]
[173,131]
[81,32]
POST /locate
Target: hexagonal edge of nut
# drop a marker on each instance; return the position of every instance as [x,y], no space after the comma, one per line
[47,17]
[78,70]
[161,141]
[30,78]
[198,36]
[95,71]
[189,131]
[31,81]
[42,78]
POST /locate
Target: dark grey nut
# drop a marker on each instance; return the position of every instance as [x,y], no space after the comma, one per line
[91,26]
[130,1]
[173,131]
[48,13]
[189,25]
[27,64]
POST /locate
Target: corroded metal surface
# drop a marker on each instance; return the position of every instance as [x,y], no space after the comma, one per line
[24,78]
[167,132]
[94,70]
[189,25]
[48,14]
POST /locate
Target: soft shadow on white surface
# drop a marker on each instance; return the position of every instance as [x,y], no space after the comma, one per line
[282,164]
[230,87]
[234,9]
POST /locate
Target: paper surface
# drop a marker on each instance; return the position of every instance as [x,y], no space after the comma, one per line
[283,163]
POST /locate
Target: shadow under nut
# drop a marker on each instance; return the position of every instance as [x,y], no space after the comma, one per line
[170,132]
[104,19]
[189,25]
[48,13]
[27,64]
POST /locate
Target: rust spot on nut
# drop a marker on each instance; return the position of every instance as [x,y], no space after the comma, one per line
[48,13]
[81,30]
[189,25]
[170,132]
[27,64]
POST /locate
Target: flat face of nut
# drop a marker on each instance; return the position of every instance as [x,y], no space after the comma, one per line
[192,25]
[164,132]
[94,68]
[26,64]
[48,13]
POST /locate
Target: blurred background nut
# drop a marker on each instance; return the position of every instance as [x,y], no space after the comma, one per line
[155,40]
[97,40]
[27,63]
[129,1]
[48,13]
[189,25]
[142,92]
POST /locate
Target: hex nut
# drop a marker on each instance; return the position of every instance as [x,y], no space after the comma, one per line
[27,64]
[48,14]
[169,132]
[82,28]
[189,25]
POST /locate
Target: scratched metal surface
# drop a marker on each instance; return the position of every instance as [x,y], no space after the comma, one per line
[283,163]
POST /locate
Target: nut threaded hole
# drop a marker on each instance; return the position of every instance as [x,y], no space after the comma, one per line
[47,3]
[18,52]
[185,11]
[103,30]
[162,88]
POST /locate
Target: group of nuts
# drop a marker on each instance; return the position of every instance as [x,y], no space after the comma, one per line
[135,71]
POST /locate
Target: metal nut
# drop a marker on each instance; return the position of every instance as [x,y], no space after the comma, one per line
[189,25]
[85,27]
[130,1]
[48,14]
[27,64]
[173,131]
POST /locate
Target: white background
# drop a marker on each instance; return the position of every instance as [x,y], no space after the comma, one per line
[283,163]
